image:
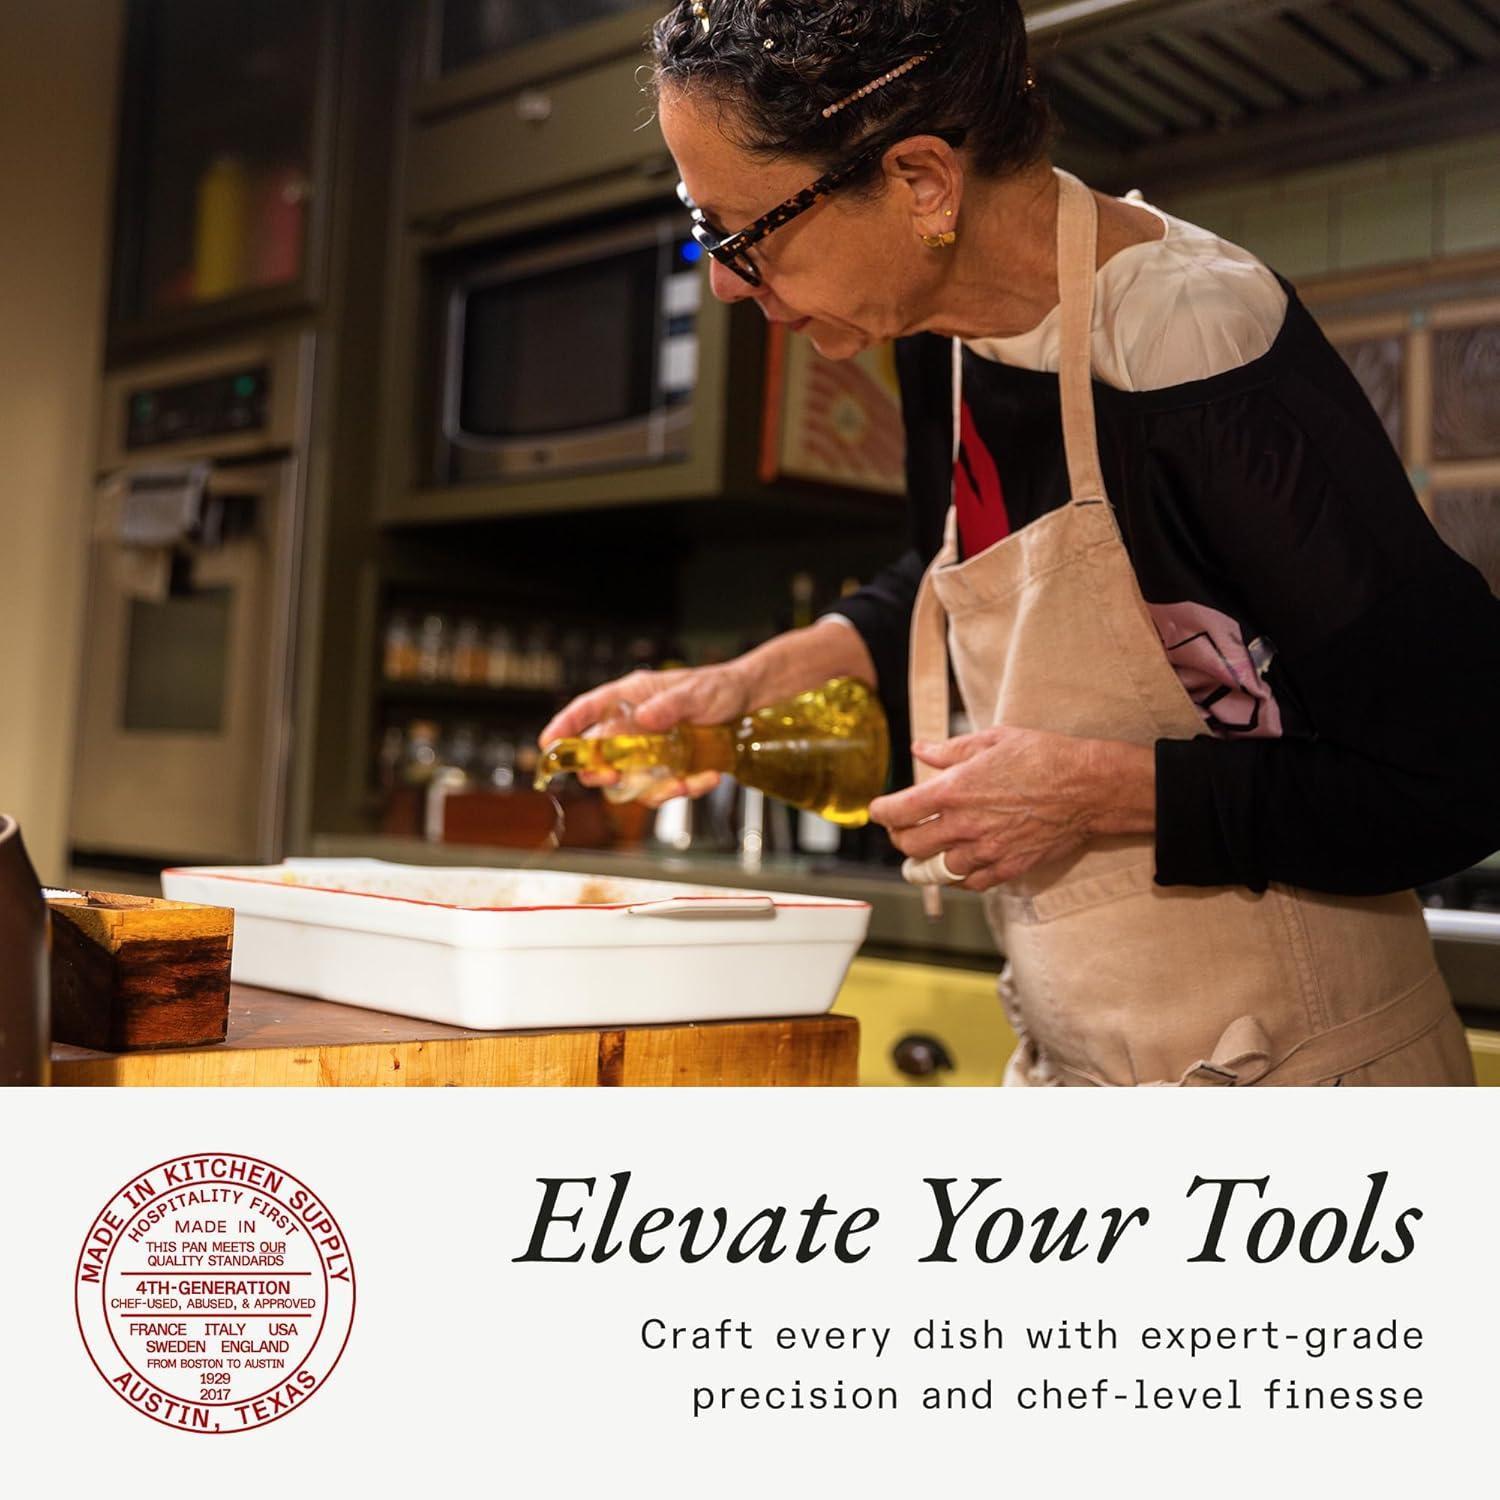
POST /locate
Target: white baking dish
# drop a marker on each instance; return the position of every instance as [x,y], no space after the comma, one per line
[496,949]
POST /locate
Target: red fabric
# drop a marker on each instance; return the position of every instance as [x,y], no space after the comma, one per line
[977,492]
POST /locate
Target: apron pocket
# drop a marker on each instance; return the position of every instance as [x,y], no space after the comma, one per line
[1119,979]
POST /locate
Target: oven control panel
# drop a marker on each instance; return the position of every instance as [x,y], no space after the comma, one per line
[220,405]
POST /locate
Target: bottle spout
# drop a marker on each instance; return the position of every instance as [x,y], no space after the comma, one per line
[562,758]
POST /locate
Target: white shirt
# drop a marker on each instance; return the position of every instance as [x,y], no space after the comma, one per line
[1166,312]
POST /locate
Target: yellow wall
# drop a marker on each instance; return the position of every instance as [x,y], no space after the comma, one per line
[58,67]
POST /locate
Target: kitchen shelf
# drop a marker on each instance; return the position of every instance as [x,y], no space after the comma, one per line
[463,692]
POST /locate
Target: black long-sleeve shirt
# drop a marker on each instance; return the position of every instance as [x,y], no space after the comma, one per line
[1266,513]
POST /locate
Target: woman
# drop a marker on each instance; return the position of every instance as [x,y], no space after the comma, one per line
[1234,697]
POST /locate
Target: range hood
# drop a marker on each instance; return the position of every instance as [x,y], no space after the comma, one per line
[1182,93]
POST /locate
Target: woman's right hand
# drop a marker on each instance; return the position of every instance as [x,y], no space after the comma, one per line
[660,701]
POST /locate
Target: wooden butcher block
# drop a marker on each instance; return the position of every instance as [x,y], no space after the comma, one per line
[134,974]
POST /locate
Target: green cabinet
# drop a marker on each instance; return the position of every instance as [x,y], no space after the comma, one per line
[466,33]
[535,138]
[474,50]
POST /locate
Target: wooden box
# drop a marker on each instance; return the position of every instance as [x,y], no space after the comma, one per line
[130,973]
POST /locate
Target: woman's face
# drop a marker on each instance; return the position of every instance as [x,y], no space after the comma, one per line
[850,272]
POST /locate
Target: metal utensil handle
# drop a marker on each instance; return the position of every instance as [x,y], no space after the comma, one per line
[706,906]
[1463,926]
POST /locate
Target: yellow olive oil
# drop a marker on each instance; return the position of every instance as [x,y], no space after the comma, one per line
[826,751]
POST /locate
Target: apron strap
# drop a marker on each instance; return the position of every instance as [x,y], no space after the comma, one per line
[929,661]
[1077,256]
[928,672]
[1077,252]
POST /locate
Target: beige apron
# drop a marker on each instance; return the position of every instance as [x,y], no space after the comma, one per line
[1112,979]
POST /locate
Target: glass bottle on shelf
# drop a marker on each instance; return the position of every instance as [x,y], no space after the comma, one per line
[642,653]
[421,755]
[803,587]
[470,660]
[500,657]
[434,656]
[573,665]
[220,241]
[277,225]
[496,770]
[538,660]
[459,749]
[604,659]
[552,663]
[528,756]
[528,660]
[399,654]
[520,661]
[450,775]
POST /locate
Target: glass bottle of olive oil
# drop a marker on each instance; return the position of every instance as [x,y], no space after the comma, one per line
[826,751]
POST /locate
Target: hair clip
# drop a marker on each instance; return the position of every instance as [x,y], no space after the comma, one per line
[701,11]
[877,84]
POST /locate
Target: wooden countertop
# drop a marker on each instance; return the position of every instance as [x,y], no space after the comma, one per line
[277,1041]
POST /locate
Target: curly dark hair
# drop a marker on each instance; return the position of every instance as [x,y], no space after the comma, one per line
[774,66]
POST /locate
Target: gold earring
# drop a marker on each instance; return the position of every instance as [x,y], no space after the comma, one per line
[944,241]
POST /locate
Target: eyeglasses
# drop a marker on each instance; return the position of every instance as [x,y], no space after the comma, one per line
[733,250]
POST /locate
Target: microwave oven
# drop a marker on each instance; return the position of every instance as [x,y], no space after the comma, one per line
[579,354]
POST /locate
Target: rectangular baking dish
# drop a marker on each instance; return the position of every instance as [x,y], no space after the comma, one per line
[499,950]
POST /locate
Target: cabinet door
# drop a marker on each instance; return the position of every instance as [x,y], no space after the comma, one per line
[219,178]
[1432,372]
[582,126]
[1465,439]
[927,1026]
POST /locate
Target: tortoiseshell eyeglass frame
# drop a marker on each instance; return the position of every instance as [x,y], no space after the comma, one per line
[732,250]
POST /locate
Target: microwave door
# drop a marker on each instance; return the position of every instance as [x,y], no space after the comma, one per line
[185,713]
[584,359]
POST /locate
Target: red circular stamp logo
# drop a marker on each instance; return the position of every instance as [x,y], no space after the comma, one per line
[215,1293]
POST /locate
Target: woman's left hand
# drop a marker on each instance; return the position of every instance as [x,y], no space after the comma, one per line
[1007,800]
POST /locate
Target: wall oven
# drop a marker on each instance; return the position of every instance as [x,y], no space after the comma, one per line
[577,354]
[185,722]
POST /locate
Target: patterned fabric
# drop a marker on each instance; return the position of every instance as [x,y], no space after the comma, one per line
[1225,677]
[977,492]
